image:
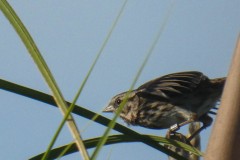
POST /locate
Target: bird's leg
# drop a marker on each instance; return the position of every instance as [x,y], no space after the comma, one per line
[206,120]
[172,130]
[177,126]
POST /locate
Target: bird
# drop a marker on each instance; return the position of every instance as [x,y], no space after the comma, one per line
[170,101]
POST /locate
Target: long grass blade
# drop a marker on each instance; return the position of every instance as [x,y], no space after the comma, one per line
[149,53]
[48,99]
[115,139]
[42,66]
[144,140]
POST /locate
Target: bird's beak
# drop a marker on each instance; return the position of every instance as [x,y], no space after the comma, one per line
[109,108]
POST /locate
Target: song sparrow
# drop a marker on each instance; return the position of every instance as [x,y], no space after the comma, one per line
[170,101]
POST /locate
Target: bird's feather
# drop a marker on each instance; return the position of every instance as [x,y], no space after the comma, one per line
[173,86]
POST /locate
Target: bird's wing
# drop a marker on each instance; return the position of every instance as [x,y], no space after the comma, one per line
[172,86]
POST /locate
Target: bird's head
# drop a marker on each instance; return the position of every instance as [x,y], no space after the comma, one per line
[129,110]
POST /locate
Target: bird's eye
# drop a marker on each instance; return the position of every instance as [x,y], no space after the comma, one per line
[118,102]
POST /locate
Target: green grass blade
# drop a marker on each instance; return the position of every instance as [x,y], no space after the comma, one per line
[74,102]
[111,125]
[66,149]
[115,139]
[149,53]
[42,66]
[48,99]
[145,140]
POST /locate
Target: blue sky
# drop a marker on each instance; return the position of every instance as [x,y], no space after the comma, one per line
[199,35]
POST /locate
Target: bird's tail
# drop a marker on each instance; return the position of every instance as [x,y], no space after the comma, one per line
[218,82]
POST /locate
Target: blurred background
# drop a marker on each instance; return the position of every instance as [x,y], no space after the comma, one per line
[199,35]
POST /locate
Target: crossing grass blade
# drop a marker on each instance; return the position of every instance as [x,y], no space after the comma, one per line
[83,112]
[114,139]
[149,53]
